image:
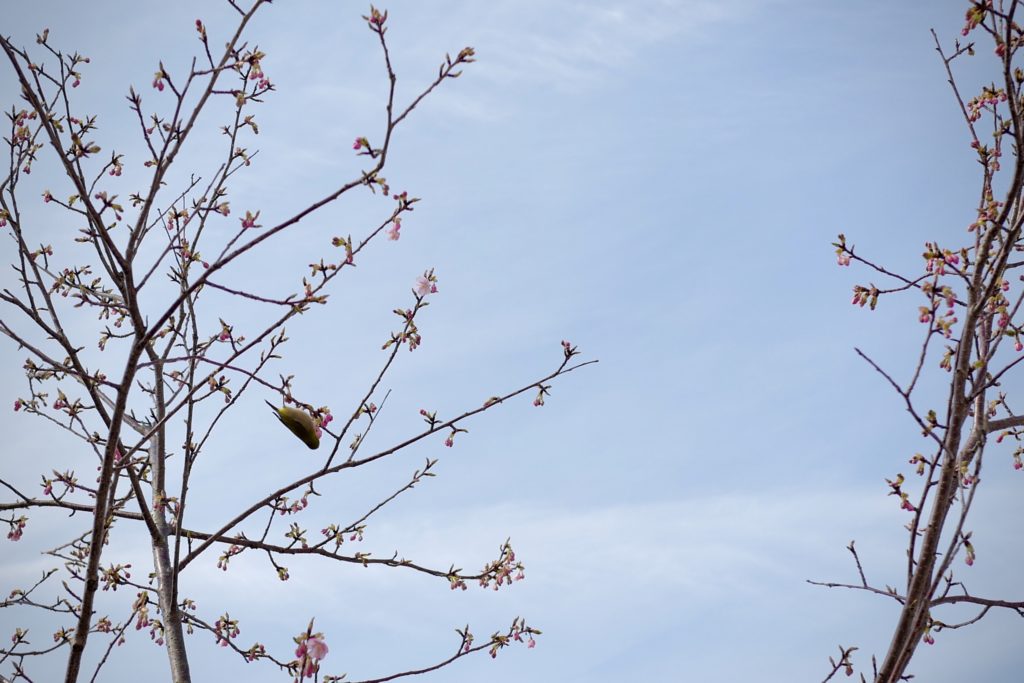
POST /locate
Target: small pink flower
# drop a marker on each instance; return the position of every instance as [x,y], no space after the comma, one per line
[17,405]
[393,233]
[1019,346]
[531,644]
[843,259]
[316,648]
[424,286]
[250,219]
[449,442]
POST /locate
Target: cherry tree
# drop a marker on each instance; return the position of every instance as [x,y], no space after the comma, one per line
[972,336]
[141,374]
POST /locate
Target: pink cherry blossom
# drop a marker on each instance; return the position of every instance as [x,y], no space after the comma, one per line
[316,648]
[424,286]
[392,232]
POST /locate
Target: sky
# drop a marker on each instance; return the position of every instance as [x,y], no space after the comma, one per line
[658,182]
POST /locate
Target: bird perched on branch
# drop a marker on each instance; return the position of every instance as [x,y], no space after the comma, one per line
[298,423]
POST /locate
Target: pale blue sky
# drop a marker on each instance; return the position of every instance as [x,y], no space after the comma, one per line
[657,181]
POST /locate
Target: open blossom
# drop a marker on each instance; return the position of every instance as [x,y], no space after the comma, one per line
[424,286]
[393,233]
[843,259]
[316,648]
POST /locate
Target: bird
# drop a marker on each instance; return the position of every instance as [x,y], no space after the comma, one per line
[298,423]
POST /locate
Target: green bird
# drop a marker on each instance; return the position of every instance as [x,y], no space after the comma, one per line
[298,423]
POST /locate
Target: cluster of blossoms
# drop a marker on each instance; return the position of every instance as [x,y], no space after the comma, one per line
[936,260]
[253,59]
[226,629]
[325,419]
[141,610]
[897,490]
[17,528]
[115,575]
[974,16]
[989,98]
[516,633]
[865,295]
[284,507]
[376,19]
[310,650]
[67,478]
[225,558]
[504,570]
[519,628]
[255,652]
[332,532]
